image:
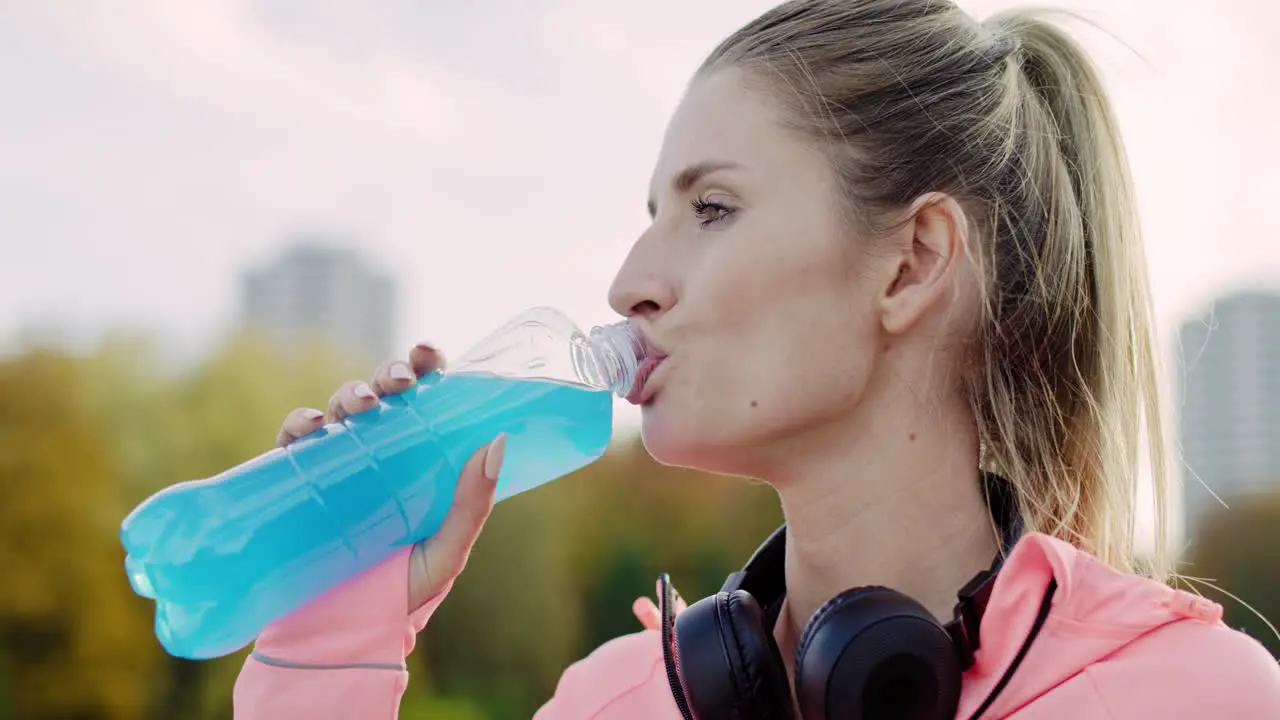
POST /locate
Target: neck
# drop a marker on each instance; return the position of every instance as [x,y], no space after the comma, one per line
[900,506]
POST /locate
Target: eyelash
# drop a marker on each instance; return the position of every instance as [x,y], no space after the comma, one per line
[701,208]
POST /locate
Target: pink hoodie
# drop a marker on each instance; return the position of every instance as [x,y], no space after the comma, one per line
[1112,646]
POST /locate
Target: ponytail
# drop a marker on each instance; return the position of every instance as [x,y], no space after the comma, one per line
[1092,249]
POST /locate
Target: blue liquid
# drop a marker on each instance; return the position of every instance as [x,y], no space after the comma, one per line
[226,556]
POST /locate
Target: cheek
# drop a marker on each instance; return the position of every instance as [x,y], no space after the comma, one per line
[819,374]
[814,342]
[719,414]
[774,337]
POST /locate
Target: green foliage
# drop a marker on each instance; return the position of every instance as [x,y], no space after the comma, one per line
[68,629]
[1238,550]
[557,569]
[84,439]
[417,706]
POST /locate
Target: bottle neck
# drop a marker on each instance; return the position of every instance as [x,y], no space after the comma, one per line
[609,357]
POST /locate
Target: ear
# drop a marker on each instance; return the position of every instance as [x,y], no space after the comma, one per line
[930,249]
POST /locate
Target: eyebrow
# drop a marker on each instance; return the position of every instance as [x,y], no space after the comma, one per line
[686,178]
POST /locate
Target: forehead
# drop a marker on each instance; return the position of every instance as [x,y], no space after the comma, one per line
[722,118]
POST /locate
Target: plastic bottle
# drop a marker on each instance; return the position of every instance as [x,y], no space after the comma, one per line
[225,556]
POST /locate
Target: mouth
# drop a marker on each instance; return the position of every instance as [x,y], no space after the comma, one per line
[641,391]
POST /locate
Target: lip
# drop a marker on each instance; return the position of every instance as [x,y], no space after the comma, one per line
[641,390]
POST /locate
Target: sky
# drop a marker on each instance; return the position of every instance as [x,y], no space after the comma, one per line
[496,155]
[493,155]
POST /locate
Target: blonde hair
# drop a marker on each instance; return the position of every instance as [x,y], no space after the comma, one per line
[1010,117]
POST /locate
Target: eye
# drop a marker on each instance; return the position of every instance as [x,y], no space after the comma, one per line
[710,211]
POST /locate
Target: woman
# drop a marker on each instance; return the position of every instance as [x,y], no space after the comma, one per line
[891,248]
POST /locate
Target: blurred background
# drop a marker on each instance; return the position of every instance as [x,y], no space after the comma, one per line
[214,211]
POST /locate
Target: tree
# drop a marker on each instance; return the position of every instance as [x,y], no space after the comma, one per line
[225,412]
[637,519]
[556,570]
[70,634]
[1237,550]
[83,440]
[164,427]
[511,621]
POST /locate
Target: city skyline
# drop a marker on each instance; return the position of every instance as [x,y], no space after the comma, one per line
[321,288]
[1228,402]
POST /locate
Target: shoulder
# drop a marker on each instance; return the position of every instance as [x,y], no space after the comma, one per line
[1127,646]
[623,678]
[1190,668]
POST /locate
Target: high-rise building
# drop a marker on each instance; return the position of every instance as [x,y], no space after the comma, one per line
[321,291]
[1230,401]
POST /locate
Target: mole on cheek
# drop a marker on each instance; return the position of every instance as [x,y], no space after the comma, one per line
[755,404]
[913,437]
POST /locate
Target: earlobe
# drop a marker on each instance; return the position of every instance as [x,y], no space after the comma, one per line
[924,271]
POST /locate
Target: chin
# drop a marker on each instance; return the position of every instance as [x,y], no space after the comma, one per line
[689,441]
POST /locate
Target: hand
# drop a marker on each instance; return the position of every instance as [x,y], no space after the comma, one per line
[435,562]
[648,612]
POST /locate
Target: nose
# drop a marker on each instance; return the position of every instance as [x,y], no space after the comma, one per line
[642,286]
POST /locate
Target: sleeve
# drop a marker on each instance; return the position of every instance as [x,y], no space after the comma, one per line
[341,656]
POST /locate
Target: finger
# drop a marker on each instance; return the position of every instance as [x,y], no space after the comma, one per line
[392,378]
[297,423]
[425,358]
[647,613]
[353,397]
[447,552]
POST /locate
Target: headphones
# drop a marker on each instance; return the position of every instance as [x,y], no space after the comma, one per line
[869,653]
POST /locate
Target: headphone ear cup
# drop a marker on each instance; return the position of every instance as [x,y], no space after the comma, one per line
[762,676]
[872,653]
[729,665]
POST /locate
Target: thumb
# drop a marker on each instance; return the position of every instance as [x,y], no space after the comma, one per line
[443,556]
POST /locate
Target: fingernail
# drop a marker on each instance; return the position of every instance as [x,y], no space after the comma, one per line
[400,371]
[364,391]
[312,414]
[427,347]
[493,458]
